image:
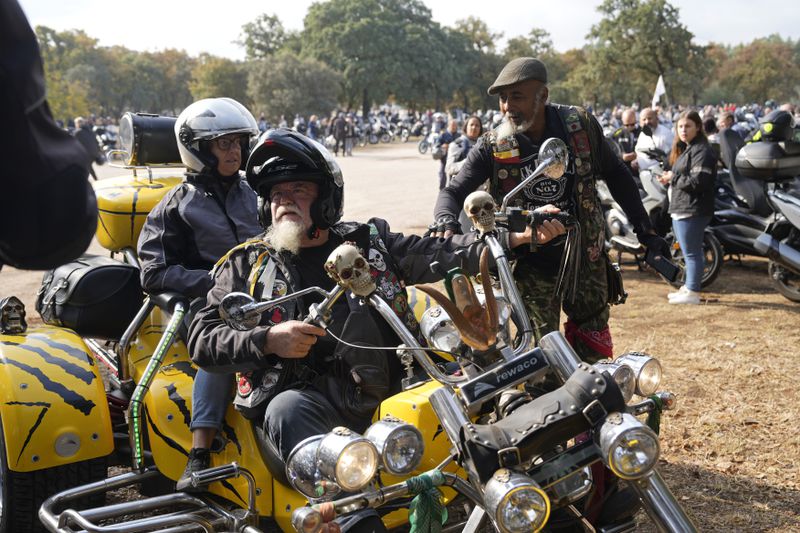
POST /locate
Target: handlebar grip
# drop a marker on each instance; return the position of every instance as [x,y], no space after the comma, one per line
[566,219]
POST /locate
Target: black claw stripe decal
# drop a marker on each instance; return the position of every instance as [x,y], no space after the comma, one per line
[180,403]
[70,368]
[182,366]
[230,433]
[32,431]
[77,353]
[225,483]
[73,399]
[168,441]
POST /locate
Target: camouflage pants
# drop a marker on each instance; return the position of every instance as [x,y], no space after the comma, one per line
[589,311]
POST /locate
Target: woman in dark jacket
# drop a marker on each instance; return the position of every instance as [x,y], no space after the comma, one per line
[691,198]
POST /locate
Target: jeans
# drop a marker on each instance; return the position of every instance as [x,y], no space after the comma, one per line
[689,232]
[211,396]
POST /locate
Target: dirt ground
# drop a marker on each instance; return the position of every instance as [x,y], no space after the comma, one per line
[730,451]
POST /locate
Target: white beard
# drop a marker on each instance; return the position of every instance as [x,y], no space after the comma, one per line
[286,236]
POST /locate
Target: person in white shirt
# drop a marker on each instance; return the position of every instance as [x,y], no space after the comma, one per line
[661,139]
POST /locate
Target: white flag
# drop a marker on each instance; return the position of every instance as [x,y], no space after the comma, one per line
[660,89]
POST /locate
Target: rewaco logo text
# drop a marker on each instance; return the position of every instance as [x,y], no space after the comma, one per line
[520,368]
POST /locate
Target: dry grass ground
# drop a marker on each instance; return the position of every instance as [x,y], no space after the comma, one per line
[731,451]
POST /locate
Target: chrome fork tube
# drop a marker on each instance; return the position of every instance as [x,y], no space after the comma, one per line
[661,506]
[510,289]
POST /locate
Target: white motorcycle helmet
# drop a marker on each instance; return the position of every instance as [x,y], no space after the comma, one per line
[206,120]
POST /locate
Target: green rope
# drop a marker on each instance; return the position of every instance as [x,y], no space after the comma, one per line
[654,416]
[427,513]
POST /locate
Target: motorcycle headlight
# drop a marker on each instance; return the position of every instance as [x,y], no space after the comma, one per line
[307,520]
[647,370]
[630,448]
[516,502]
[623,376]
[348,459]
[439,330]
[399,445]
[302,471]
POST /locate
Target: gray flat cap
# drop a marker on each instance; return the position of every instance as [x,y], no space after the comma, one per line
[519,70]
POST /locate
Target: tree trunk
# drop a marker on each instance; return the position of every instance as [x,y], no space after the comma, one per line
[365,104]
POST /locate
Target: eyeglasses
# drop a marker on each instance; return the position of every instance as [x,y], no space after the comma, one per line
[225,144]
[295,190]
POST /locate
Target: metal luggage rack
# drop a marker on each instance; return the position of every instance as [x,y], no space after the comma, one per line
[180,512]
[125,155]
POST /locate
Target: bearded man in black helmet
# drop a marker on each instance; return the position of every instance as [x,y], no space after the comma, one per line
[297,378]
[506,156]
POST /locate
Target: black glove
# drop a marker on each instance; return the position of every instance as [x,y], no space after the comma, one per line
[655,244]
[445,223]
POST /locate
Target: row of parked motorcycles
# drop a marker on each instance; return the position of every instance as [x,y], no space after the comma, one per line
[756,213]
[504,436]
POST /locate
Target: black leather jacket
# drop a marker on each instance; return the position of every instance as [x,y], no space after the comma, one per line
[693,177]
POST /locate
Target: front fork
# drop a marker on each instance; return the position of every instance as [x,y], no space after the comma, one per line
[661,506]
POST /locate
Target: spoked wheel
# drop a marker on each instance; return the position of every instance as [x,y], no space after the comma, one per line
[22,493]
[712,255]
[386,138]
[423,146]
[785,281]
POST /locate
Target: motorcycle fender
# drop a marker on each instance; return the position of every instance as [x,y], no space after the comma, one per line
[414,407]
[52,400]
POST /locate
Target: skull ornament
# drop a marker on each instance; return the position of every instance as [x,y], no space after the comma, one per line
[347,267]
[12,316]
[480,206]
[376,260]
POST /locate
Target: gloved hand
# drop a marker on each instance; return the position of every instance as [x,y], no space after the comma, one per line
[655,244]
[446,224]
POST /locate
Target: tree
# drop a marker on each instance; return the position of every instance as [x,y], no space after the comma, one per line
[635,42]
[537,44]
[287,84]
[217,76]
[377,46]
[263,37]
[764,69]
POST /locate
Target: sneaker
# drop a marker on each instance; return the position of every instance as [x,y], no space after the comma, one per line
[680,291]
[199,459]
[689,297]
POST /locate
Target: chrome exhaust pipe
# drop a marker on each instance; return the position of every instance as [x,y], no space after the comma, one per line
[779,252]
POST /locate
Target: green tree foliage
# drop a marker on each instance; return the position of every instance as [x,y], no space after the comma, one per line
[286,84]
[382,48]
[215,76]
[764,69]
[481,63]
[634,43]
[263,37]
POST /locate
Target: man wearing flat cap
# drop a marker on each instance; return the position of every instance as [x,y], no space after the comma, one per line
[506,156]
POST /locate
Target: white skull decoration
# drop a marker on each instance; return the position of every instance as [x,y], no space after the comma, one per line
[376,260]
[347,267]
[480,206]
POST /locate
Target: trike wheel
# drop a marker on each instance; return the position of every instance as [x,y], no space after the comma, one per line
[22,493]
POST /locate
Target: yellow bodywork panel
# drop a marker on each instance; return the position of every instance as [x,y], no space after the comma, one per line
[123,204]
[413,406]
[52,400]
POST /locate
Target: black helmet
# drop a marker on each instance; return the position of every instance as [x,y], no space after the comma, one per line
[282,155]
[776,126]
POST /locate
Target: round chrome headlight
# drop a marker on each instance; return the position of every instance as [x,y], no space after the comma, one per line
[302,471]
[623,376]
[399,445]
[307,520]
[647,370]
[516,502]
[630,448]
[439,330]
[348,459]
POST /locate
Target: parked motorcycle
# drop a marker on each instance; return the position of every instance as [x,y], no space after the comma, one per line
[777,164]
[427,142]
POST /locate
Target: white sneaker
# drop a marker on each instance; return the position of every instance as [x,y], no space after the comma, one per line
[680,291]
[689,297]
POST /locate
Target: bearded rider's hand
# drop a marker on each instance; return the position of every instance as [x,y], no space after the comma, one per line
[292,339]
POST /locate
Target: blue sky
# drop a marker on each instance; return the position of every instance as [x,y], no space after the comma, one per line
[212,26]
